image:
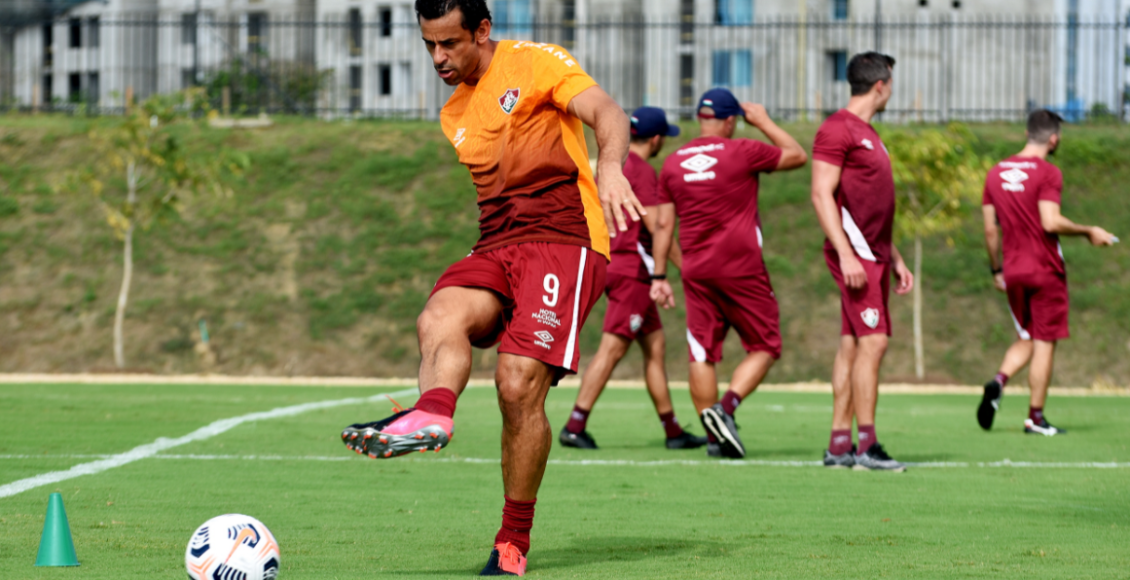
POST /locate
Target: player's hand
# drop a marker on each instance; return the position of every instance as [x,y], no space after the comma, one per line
[855,277]
[998,282]
[755,114]
[662,294]
[616,197]
[905,278]
[1100,237]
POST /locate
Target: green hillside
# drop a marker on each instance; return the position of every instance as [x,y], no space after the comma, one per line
[326,252]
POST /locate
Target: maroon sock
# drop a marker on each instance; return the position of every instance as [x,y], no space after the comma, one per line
[730,402]
[866,438]
[438,401]
[670,424]
[517,519]
[1002,379]
[1036,414]
[578,420]
[840,442]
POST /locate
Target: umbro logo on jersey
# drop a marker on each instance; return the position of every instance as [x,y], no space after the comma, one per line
[459,138]
[698,165]
[509,100]
[870,318]
[1013,180]
[868,144]
[543,339]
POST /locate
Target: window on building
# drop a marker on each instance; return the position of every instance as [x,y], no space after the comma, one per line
[93,90]
[840,9]
[94,33]
[48,44]
[923,3]
[384,80]
[733,12]
[48,89]
[956,4]
[837,63]
[188,28]
[256,31]
[569,23]
[187,78]
[733,68]
[686,22]
[355,31]
[513,17]
[686,80]
[385,14]
[404,80]
[74,88]
[74,27]
[355,88]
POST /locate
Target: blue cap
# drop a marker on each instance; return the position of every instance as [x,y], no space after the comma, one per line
[648,122]
[722,101]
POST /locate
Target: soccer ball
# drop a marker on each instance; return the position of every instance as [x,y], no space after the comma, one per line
[232,547]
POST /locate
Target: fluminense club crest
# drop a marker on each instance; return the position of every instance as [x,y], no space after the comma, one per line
[509,100]
[870,317]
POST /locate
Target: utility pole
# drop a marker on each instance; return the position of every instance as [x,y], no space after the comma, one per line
[878,25]
[196,45]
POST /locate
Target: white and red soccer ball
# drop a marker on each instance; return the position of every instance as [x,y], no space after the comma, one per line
[232,547]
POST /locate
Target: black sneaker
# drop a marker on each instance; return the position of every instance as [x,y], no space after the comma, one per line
[990,404]
[841,461]
[685,441]
[1042,428]
[713,450]
[721,424]
[580,440]
[876,458]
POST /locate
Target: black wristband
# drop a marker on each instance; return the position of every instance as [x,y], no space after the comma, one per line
[659,276]
[995,271]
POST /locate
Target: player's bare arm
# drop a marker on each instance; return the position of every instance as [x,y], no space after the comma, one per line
[993,245]
[1055,222]
[903,274]
[662,238]
[793,155]
[598,110]
[825,179]
[651,222]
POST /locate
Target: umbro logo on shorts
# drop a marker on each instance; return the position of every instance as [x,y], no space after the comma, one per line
[544,338]
[870,318]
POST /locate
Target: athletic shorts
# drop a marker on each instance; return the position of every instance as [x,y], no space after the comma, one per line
[631,312]
[864,310]
[547,291]
[746,303]
[1038,304]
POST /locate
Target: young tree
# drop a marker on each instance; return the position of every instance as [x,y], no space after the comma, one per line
[142,173]
[938,181]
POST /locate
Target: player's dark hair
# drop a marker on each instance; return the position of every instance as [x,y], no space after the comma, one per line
[866,69]
[641,140]
[1042,124]
[474,11]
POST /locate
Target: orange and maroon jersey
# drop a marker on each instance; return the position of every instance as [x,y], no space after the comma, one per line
[526,153]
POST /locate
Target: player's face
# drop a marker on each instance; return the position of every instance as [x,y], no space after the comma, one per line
[1053,144]
[657,144]
[455,50]
[884,94]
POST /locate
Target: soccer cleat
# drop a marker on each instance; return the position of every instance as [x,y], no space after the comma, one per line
[721,425]
[505,560]
[685,441]
[406,431]
[875,458]
[580,440]
[713,450]
[990,404]
[1042,428]
[841,461]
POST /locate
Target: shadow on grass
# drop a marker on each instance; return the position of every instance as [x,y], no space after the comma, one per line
[597,549]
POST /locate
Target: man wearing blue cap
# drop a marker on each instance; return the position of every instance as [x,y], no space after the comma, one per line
[710,184]
[631,314]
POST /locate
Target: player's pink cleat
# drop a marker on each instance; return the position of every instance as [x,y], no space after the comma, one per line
[407,431]
[505,560]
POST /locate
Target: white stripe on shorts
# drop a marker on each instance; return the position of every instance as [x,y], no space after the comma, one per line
[569,346]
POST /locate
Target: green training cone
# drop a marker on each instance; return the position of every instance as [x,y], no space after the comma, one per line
[56,548]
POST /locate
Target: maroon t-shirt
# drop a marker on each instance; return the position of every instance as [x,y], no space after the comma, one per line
[631,250]
[866,193]
[713,183]
[1015,188]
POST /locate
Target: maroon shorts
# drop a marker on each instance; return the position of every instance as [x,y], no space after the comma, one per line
[631,312]
[864,310]
[1039,306]
[547,291]
[746,303]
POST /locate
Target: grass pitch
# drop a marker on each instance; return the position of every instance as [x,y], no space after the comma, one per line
[640,511]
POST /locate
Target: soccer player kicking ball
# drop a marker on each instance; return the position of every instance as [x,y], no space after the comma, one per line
[710,184]
[1022,195]
[515,120]
[631,315]
[853,191]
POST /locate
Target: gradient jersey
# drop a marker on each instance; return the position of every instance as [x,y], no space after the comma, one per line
[526,153]
[1015,188]
[631,250]
[866,192]
[713,183]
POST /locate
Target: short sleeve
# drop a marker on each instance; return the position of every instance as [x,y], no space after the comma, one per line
[832,144]
[986,195]
[1052,188]
[645,185]
[761,157]
[557,74]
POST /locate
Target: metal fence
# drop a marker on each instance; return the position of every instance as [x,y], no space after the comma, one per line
[340,65]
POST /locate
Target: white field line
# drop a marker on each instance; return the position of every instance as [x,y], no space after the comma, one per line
[164,443]
[615,462]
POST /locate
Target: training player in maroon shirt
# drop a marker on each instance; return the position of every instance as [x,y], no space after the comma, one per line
[1022,201]
[711,185]
[631,314]
[853,191]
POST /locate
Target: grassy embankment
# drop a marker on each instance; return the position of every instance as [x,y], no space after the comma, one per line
[320,261]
